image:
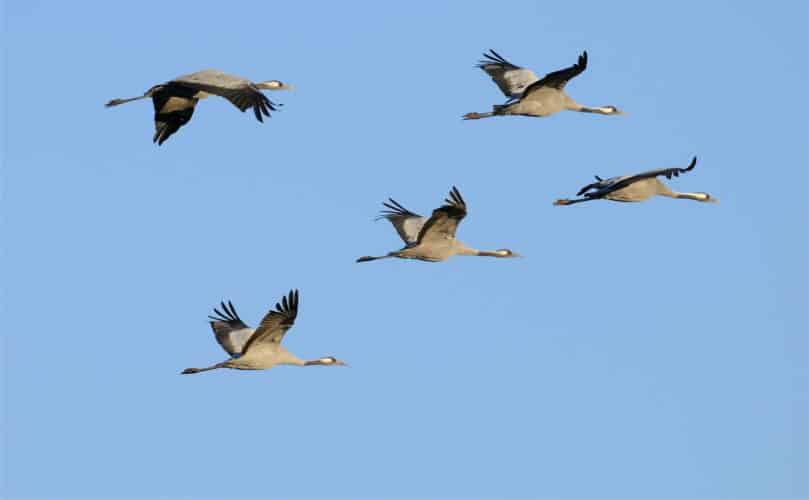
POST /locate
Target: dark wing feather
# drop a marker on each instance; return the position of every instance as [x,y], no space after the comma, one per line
[225,325]
[276,323]
[595,185]
[667,172]
[244,96]
[407,223]
[604,187]
[509,78]
[444,221]
[394,208]
[558,79]
[493,58]
[173,107]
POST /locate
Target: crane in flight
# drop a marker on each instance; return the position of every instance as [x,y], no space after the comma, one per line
[175,100]
[638,187]
[431,239]
[259,348]
[529,96]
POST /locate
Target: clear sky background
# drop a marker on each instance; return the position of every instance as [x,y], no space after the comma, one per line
[654,350]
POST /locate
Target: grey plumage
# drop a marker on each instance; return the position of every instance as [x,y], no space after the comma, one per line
[509,78]
[542,97]
[431,239]
[175,100]
[638,187]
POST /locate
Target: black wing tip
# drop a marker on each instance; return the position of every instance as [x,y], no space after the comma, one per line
[586,188]
[492,57]
[294,299]
[677,171]
[394,208]
[456,198]
[289,303]
[232,311]
[228,313]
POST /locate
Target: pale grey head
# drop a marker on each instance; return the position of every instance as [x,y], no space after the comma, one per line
[274,85]
[326,361]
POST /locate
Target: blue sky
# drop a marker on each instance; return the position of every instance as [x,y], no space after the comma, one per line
[654,350]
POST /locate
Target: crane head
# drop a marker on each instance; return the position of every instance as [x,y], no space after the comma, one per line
[327,360]
[611,110]
[707,198]
[505,252]
[275,85]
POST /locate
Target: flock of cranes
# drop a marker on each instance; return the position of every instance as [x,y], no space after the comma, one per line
[430,239]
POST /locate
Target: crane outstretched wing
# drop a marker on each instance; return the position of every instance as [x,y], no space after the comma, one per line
[239,91]
[604,187]
[444,221]
[510,78]
[622,182]
[558,79]
[230,331]
[173,108]
[667,172]
[407,223]
[276,323]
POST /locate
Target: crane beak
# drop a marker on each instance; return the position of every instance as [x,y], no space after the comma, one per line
[286,87]
[340,363]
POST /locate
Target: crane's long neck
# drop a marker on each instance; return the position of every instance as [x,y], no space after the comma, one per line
[572,105]
[685,196]
[465,250]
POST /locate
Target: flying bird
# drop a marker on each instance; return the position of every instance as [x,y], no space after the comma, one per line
[174,101]
[431,239]
[637,187]
[532,96]
[259,348]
